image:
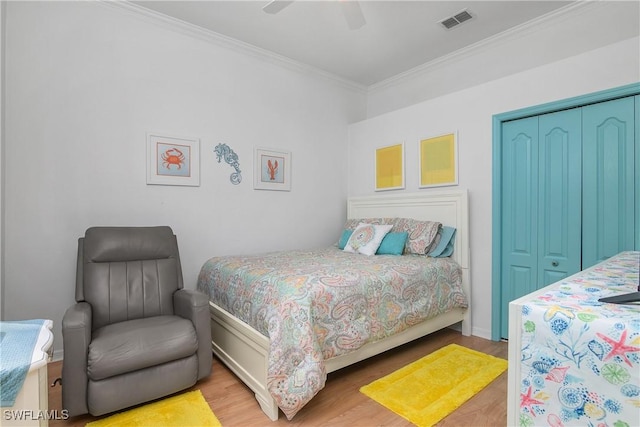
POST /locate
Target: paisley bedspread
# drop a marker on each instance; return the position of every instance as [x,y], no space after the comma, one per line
[315,305]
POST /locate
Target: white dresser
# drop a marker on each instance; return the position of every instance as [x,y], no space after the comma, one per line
[572,359]
[31,403]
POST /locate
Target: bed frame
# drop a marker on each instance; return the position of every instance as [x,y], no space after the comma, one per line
[245,351]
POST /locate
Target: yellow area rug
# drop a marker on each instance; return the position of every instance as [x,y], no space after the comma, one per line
[429,389]
[184,410]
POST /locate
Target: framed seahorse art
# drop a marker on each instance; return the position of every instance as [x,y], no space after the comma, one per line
[272,170]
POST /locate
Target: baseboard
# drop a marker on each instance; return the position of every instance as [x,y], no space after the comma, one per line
[58,355]
[482,333]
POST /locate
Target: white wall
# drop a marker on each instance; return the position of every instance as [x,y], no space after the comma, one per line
[470,112]
[86,81]
[2,16]
[576,28]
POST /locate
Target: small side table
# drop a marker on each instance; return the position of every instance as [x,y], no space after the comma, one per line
[31,407]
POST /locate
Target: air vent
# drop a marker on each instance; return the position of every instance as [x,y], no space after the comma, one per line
[456,19]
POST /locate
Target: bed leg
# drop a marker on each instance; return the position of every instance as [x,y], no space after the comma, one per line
[466,324]
[268,406]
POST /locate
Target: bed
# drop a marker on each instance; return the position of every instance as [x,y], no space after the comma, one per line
[286,375]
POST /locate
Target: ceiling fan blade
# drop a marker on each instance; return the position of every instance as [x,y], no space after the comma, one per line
[353,14]
[276,6]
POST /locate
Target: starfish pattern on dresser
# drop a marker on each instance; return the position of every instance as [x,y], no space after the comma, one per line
[618,348]
[526,401]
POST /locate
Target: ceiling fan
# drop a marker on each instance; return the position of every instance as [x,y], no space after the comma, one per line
[350,9]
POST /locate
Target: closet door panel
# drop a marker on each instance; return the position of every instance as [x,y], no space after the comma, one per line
[519,211]
[608,130]
[637,172]
[559,196]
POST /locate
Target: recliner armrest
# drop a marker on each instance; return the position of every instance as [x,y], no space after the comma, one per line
[194,305]
[76,337]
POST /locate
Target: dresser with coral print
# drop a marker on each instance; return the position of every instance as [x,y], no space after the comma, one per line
[575,361]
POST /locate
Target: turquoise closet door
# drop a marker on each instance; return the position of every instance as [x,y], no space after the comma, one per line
[559,195]
[608,183]
[519,261]
[637,182]
[541,203]
[566,191]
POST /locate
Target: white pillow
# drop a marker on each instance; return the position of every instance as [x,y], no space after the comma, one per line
[366,238]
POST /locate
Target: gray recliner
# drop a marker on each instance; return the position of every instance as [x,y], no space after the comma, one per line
[134,334]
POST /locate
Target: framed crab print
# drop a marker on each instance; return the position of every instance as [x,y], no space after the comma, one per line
[272,170]
[173,160]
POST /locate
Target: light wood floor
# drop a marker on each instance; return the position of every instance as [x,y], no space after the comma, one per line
[340,403]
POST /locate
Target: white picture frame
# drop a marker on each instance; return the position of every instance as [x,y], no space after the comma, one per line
[438,160]
[389,167]
[172,160]
[272,170]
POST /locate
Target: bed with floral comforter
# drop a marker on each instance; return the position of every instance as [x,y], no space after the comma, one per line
[320,304]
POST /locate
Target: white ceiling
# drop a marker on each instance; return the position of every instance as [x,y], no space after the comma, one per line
[398,35]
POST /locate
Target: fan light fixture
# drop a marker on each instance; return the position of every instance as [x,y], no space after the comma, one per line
[350,9]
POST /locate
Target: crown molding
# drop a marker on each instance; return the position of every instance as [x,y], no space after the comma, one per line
[528,27]
[218,39]
[235,45]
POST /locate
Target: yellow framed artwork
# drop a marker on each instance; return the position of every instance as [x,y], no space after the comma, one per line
[439,161]
[390,167]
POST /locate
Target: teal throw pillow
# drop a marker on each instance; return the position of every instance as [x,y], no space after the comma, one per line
[344,238]
[445,246]
[393,244]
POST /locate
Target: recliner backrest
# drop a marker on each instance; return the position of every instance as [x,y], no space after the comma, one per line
[127,273]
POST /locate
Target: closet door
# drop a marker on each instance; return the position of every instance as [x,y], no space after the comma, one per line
[608,179]
[559,196]
[541,203]
[519,258]
[637,181]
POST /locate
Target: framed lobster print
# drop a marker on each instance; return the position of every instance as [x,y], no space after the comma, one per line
[173,160]
[272,170]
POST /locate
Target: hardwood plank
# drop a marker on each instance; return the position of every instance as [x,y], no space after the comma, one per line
[340,403]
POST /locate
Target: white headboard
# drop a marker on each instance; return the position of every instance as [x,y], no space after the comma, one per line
[450,207]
